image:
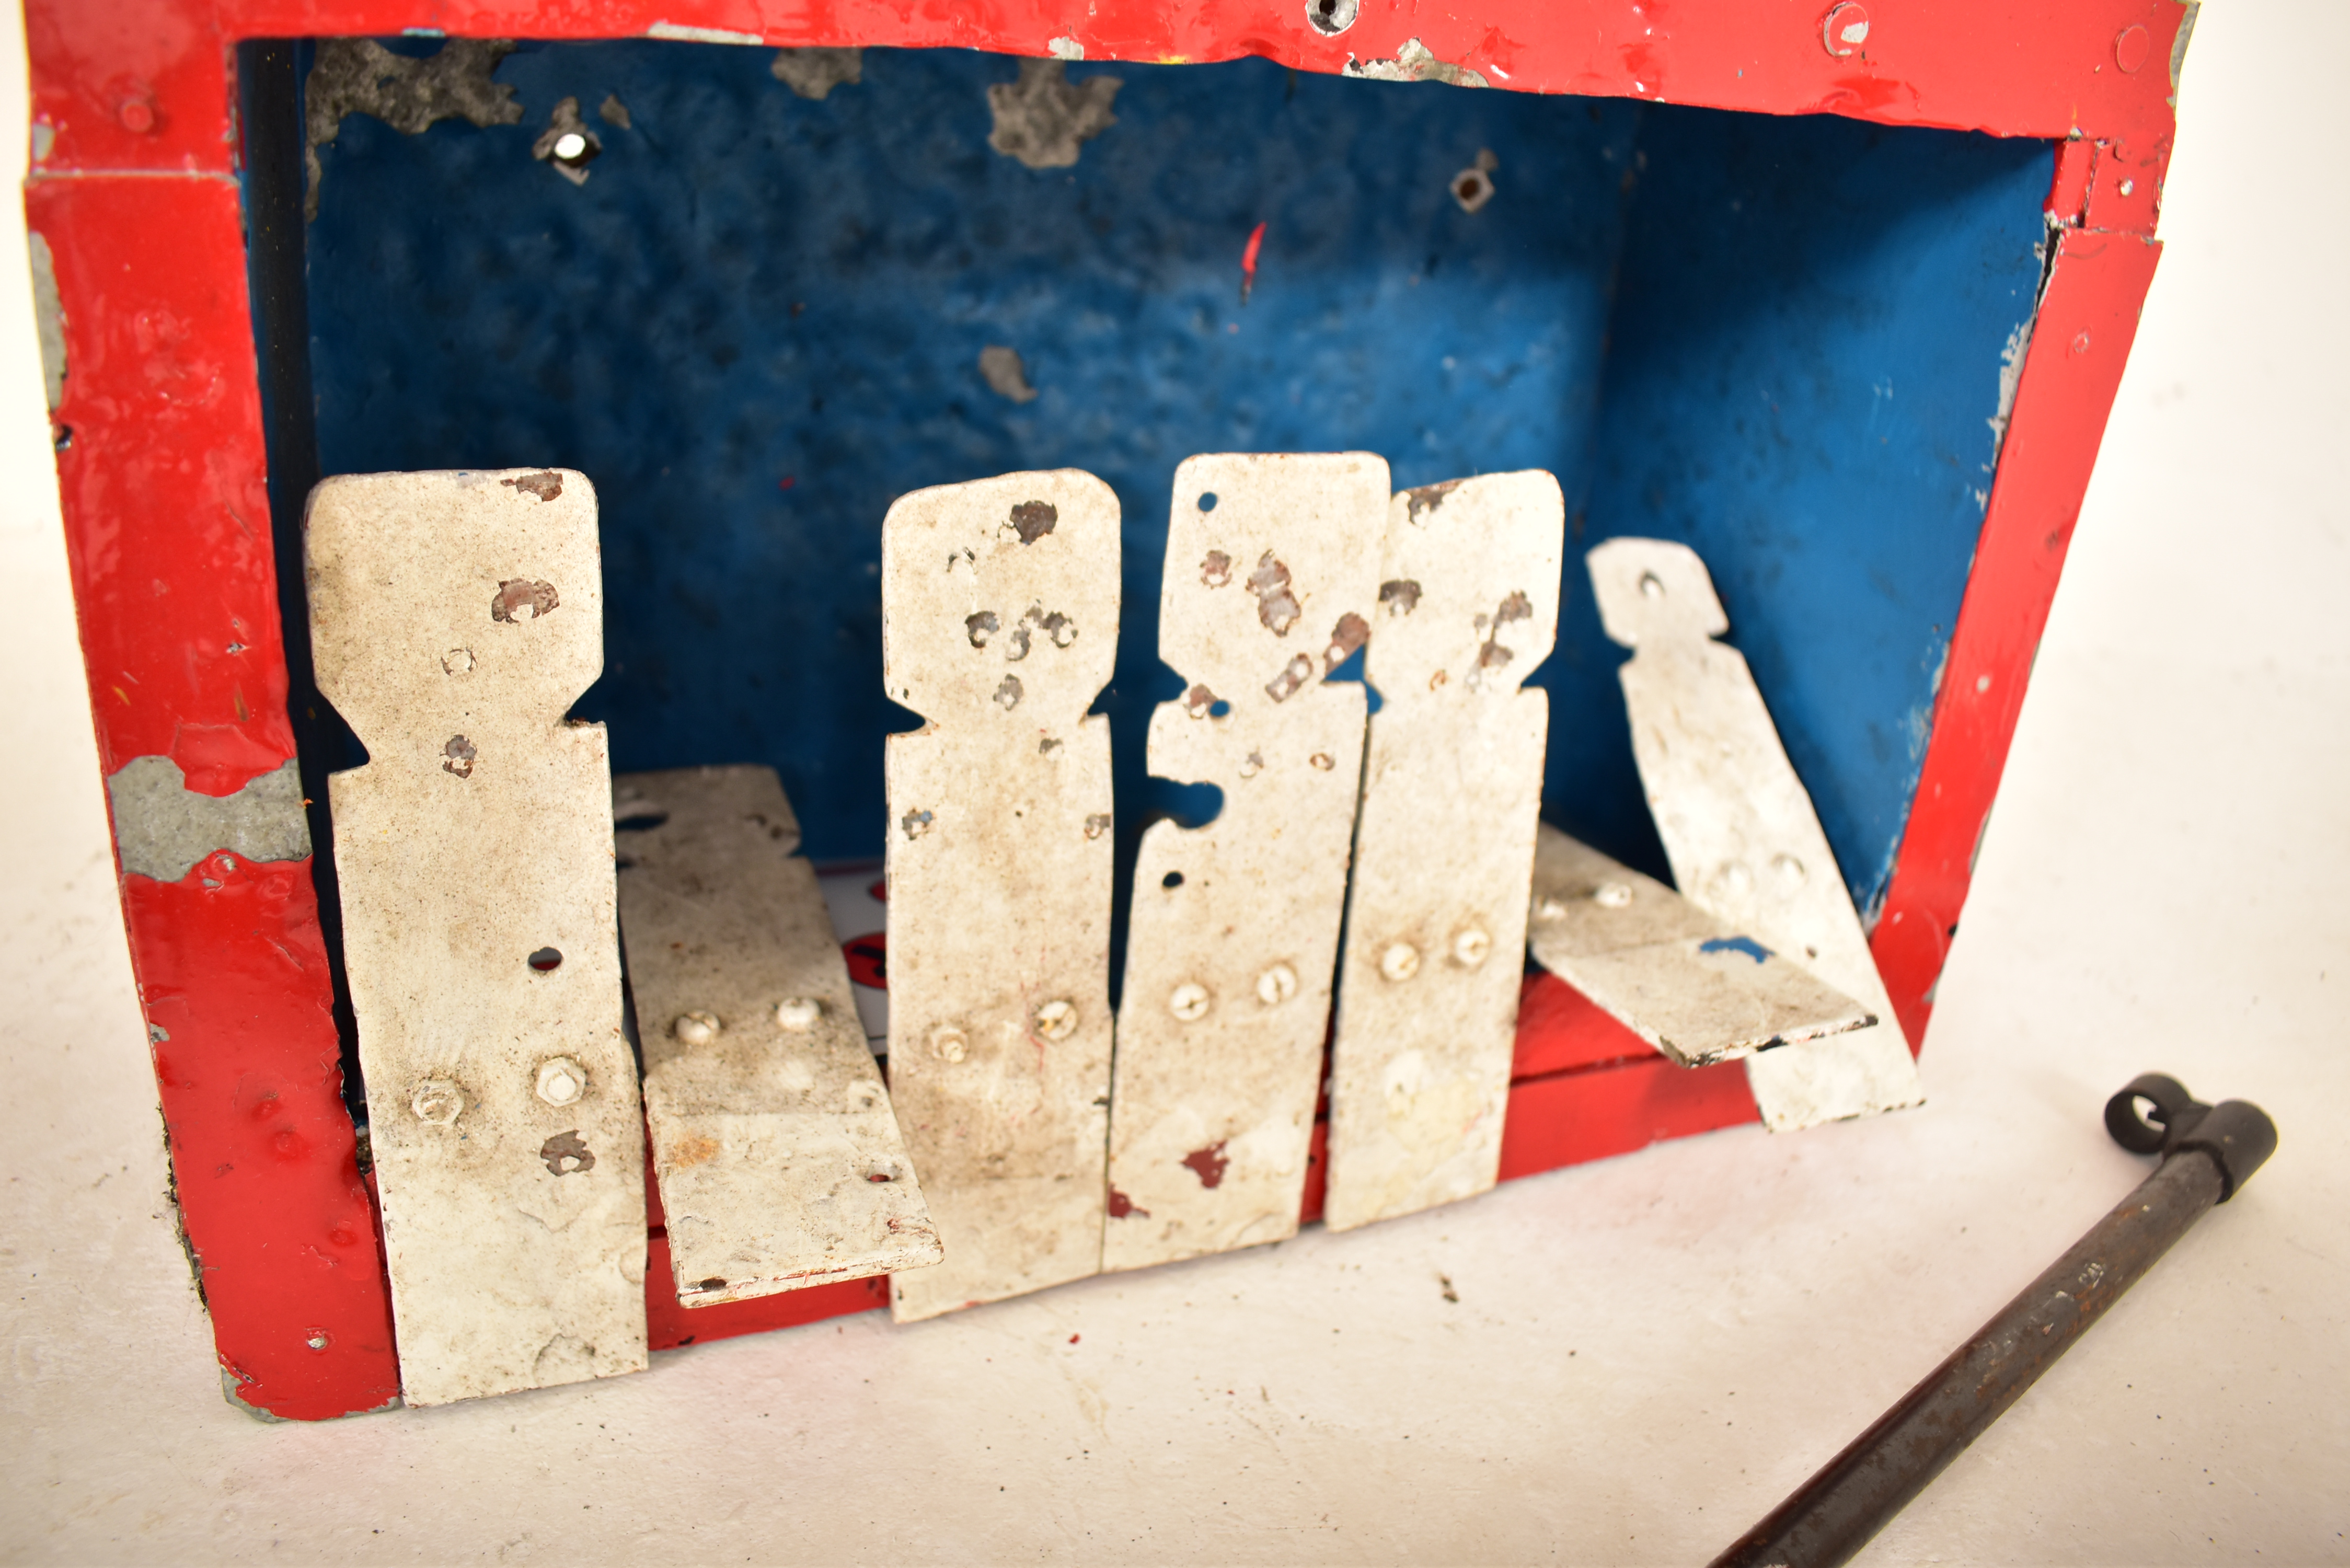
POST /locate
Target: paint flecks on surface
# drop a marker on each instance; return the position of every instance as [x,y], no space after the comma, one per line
[1042,118]
[1208,1164]
[1399,595]
[1249,254]
[1120,1206]
[1746,945]
[360,76]
[613,112]
[1215,569]
[1293,674]
[1349,634]
[814,73]
[566,1155]
[1005,374]
[48,318]
[457,757]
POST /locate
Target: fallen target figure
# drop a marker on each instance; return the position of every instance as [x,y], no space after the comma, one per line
[2208,1152]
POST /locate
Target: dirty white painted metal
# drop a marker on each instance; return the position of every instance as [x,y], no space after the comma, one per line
[1428,987]
[1000,609]
[1745,842]
[1271,578]
[1691,985]
[457,617]
[779,1161]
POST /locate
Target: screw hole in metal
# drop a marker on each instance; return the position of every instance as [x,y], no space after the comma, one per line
[546,960]
[1172,879]
[1207,500]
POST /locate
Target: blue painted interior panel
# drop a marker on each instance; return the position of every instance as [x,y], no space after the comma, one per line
[760,319]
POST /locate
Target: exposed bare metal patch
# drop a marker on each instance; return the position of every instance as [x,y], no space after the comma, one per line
[360,76]
[521,599]
[1034,519]
[1399,595]
[1007,695]
[1005,375]
[547,484]
[1042,120]
[457,757]
[1097,824]
[1351,632]
[1415,62]
[915,823]
[1217,570]
[1198,700]
[1277,606]
[566,1155]
[1293,674]
[814,73]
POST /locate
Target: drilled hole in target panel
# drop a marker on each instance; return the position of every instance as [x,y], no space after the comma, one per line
[545,960]
[1219,707]
[1207,500]
[1172,879]
[640,822]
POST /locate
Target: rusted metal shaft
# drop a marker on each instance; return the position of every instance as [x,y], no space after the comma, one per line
[2208,1152]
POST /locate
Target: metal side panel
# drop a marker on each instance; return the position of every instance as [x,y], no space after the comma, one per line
[779,1161]
[1427,989]
[1272,575]
[457,617]
[1739,829]
[1694,987]
[1000,613]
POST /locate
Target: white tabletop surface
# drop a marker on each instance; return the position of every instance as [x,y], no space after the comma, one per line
[1645,1353]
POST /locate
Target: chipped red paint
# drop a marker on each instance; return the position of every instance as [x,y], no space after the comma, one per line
[169,533]
[1120,1206]
[1208,1164]
[279,1225]
[2088,317]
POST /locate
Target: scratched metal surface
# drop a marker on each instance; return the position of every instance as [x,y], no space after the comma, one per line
[469,307]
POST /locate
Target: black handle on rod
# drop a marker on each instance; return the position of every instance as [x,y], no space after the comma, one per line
[2208,1152]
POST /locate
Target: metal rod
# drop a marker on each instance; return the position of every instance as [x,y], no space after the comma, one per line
[2210,1152]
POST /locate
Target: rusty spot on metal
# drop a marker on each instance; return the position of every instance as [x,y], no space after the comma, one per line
[1198,700]
[1034,519]
[457,757]
[547,484]
[521,599]
[566,1155]
[1293,674]
[1217,570]
[981,626]
[1399,595]
[1351,632]
[1428,497]
[1276,607]
[1120,1205]
[688,1152]
[1208,1164]
[1007,695]
[1097,824]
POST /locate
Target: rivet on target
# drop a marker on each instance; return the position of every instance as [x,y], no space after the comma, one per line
[950,1043]
[695,1028]
[1470,946]
[1276,986]
[1845,29]
[1611,895]
[561,1081]
[1400,961]
[798,1014]
[1056,1020]
[438,1102]
[1189,1001]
